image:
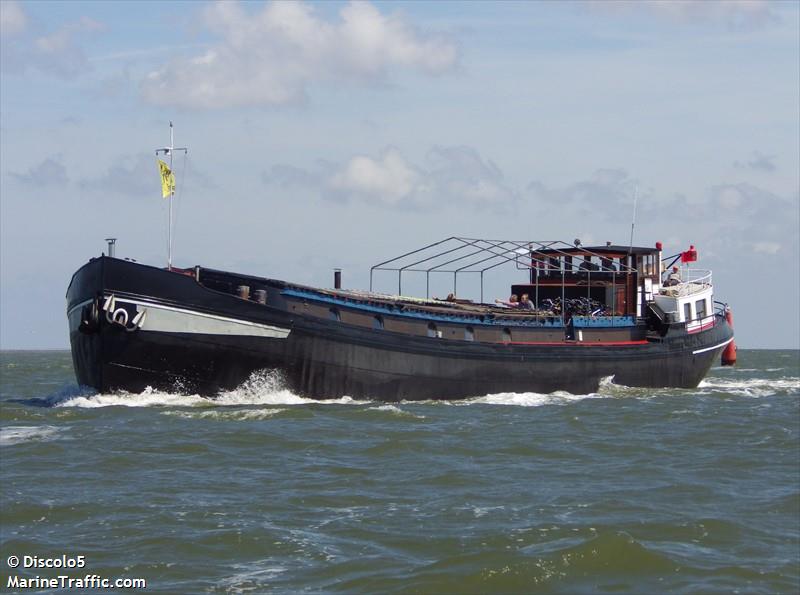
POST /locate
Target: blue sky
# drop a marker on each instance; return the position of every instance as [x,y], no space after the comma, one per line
[333,134]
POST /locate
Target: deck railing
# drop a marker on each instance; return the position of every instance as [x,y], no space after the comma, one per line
[694,281]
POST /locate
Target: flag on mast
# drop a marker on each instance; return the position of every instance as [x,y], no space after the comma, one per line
[167,180]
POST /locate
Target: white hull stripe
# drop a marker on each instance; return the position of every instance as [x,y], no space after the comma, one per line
[168,319]
[76,306]
[714,347]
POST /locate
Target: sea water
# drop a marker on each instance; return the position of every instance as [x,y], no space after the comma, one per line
[260,490]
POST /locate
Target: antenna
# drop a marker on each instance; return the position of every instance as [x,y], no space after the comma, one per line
[169,151]
[633,221]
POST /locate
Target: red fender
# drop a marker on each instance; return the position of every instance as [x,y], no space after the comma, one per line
[729,355]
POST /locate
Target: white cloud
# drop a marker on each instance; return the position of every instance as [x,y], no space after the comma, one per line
[736,14]
[57,53]
[287,176]
[766,247]
[12,18]
[388,179]
[61,39]
[450,176]
[50,172]
[758,161]
[135,176]
[729,197]
[269,57]
[606,194]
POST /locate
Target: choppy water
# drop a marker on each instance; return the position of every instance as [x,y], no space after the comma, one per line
[626,490]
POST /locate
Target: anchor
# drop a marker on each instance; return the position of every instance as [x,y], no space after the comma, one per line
[120,315]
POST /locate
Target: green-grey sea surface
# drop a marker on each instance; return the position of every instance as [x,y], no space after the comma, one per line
[625,491]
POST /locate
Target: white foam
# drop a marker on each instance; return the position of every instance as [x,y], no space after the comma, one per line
[147,398]
[395,410]
[392,408]
[262,388]
[754,387]
[252,577]
[480,511]
[10,435]
[226,415]
[530,399]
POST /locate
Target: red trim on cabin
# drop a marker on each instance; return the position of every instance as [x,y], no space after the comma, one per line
[581,344]
[702,327]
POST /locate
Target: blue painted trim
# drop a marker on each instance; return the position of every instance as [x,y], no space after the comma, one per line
[602,321]
[544,322]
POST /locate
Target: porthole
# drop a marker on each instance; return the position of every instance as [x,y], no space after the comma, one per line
[377,323]
[333,314]
[469,334]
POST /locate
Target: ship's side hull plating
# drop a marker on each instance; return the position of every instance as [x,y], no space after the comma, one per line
[133,326]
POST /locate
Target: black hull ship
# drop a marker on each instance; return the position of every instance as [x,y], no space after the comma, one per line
[586,314]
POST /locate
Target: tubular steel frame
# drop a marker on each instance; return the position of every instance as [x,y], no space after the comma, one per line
[491,254]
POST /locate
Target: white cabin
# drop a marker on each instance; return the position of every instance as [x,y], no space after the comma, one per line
[691,301]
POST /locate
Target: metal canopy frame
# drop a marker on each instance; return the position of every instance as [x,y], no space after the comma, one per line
[456,255]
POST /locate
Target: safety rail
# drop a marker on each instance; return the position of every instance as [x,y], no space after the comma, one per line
[458,255]
[694,281]
[698,276]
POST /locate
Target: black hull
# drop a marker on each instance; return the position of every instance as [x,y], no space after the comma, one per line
[199,340]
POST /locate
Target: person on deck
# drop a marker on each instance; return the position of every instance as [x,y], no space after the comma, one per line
[513,301]
[525,302]
[674,278]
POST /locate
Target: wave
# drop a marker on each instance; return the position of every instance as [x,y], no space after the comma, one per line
[396,411]
[605,561]
[753,387]
[222,414]
[606,389]
[10,435]
[529,399]
[262,388]
[252,577]
[268,388]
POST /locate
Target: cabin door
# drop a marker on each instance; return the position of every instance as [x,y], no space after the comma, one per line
[620,303]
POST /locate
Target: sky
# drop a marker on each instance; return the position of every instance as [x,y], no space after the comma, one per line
[340,134]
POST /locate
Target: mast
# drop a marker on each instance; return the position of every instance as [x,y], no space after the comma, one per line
[169,151]
[633,220]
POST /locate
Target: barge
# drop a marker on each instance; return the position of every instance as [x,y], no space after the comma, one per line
[588,313]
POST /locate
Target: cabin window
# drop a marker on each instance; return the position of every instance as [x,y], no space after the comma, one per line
[506,335]
[333,314]
[432,330]
[700,308]
[647,265]
[469,334]
[377,323]
[687,312]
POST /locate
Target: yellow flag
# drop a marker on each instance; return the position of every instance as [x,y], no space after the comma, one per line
[167,180]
